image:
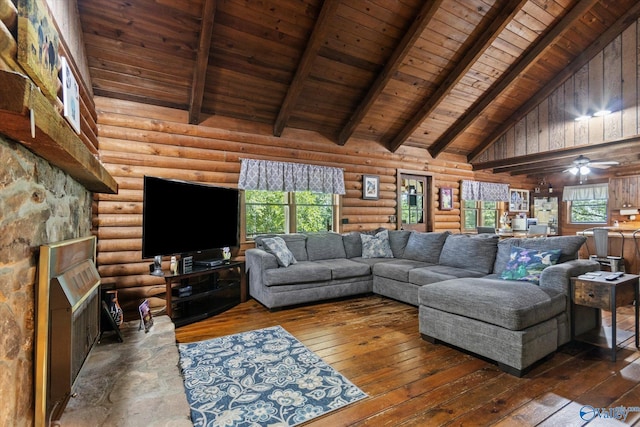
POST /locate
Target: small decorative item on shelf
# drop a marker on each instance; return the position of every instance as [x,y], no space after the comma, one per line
[114,307]
[173,266]
[226,253]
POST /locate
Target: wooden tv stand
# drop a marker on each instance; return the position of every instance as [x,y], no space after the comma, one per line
[213,290]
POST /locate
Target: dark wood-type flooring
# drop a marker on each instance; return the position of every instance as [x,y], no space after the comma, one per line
[375,343]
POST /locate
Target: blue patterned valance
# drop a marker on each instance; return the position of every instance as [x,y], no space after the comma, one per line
[485,191]
[281,176]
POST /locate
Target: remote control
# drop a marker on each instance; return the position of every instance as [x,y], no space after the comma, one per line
[613,276]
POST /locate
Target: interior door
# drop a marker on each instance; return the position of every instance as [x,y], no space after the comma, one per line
[414,201]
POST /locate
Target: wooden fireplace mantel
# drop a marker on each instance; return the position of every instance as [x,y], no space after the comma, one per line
[54,140]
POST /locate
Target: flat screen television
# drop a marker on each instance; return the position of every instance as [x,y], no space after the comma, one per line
[184,218]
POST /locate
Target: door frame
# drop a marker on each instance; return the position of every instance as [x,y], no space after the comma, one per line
[428,199]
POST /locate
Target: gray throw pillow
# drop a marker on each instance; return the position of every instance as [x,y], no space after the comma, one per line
[279,249]
[376,246]
[352,244]
[398,241]
[425,247]
[470,252]
[325,245]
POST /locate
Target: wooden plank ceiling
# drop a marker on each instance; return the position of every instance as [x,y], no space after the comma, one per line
[444,75]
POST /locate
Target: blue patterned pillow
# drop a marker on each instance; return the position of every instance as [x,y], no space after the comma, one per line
[278,247]
[376,246]
[527,264]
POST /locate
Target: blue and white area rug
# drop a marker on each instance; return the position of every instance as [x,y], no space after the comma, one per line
[264,377]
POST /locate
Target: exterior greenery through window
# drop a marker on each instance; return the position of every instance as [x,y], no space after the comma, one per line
[268,212]
[479,214]
[588,211]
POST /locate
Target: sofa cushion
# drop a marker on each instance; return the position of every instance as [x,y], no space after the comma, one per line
[345,268]
[302,272]
[278,248]
[470,252]
[352,244]
[296,242]
[527,264]
[494,301]
[325,246]
[397,269]
[376,246]
[438,273]
[398,240]
[425,247]
[569,245]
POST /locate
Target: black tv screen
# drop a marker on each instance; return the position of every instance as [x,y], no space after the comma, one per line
[181,217]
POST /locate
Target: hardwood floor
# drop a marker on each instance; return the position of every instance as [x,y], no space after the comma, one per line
[375,343]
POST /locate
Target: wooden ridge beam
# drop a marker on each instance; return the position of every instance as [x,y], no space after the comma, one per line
[607,37]
[202,61]
[486,38]
[393,64]
[318,35]
[515,72]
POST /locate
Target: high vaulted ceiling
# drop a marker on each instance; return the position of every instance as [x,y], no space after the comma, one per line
[444,75]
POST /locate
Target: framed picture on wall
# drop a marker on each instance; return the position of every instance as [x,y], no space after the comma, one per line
[370,187]
[518,200]
[38,45]
[446,199]
[70,96]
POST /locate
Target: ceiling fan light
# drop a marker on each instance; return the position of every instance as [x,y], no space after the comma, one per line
[584,170]
[574,170]
[582,117]
[602,113]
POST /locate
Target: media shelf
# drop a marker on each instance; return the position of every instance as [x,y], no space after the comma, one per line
[204,292]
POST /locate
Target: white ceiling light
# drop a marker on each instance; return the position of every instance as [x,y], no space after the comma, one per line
[584,170]
[602,113]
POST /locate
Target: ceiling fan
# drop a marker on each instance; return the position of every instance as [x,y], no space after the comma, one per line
[582,166]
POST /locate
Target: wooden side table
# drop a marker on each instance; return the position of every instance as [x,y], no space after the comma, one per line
[599,293]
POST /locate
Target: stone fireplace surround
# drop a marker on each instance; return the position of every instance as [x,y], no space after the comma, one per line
[40,204]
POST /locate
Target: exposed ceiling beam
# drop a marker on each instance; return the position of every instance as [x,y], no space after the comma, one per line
[512,164]
[202,61]
[607,37]
[520,68]
[318,35]
[409,39]
[485,39]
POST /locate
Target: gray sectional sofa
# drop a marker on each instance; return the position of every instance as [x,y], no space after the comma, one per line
[457,281]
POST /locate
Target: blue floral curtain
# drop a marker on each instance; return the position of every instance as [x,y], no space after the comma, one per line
[485,191]
[282,176]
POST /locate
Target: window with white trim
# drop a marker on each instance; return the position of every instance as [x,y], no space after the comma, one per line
[271,212]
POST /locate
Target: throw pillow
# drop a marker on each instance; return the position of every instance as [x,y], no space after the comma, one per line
[527,264]
[376,246]
[279,249]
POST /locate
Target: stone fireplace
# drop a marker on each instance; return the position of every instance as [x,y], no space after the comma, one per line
[40,204]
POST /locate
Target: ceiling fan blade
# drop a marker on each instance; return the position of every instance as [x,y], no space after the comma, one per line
[607,163]
[600,165]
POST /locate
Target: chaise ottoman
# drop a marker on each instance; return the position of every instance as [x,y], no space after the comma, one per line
[512,323]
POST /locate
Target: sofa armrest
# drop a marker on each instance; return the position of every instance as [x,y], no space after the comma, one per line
[259,260]
[558,276]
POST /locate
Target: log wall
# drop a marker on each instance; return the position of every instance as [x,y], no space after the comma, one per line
[137,140]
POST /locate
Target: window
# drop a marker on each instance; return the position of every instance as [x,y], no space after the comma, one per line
[479,214]
[269,212]
[588,211]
